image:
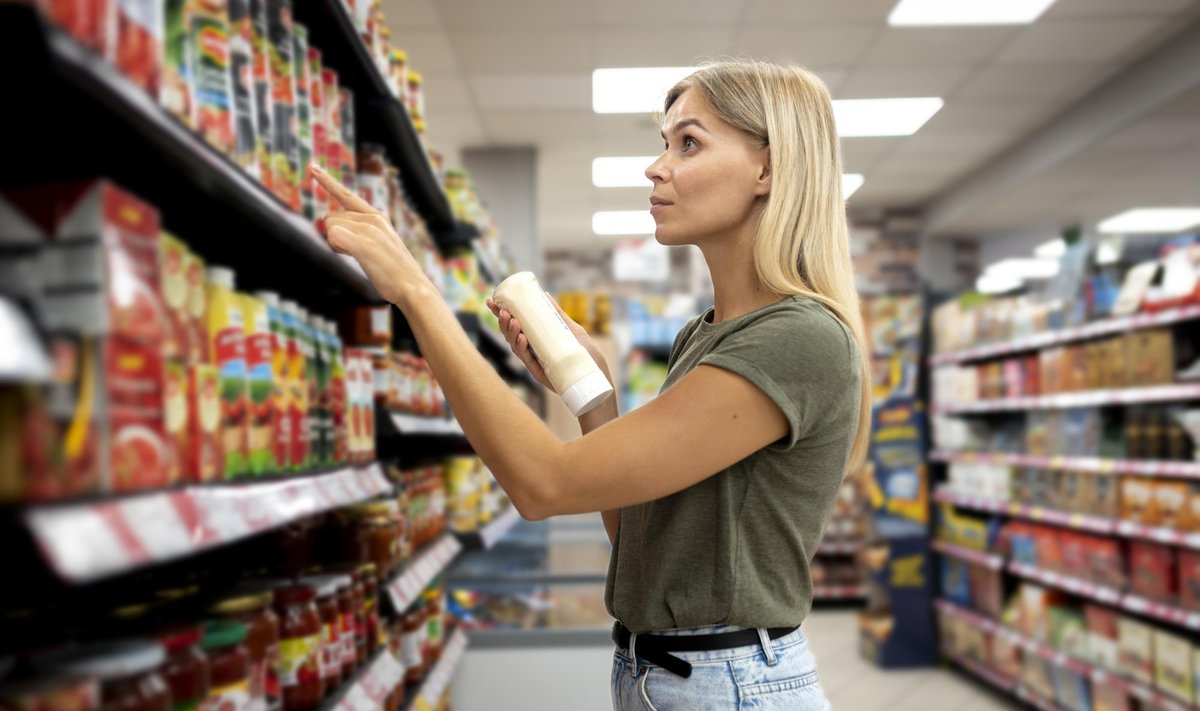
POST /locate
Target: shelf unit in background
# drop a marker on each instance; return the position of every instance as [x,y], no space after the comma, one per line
[1068,335]
[486,537]
[991,561]
[834,593]
[839,547]
[88,540]
[407,423]
[425,697]
[420,570]
[1176,392]
[1099,465]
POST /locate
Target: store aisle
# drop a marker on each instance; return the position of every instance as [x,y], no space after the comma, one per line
[854,684]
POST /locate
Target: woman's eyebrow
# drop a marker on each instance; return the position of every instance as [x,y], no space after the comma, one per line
[681,123]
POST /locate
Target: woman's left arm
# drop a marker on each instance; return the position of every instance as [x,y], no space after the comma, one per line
[707,421]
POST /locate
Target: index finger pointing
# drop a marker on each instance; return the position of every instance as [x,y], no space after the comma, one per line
[346,197]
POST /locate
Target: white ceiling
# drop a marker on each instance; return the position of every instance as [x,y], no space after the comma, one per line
[519,73]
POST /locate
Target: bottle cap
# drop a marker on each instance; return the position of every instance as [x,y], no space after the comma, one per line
[221,276]
[587,392]
[270,298]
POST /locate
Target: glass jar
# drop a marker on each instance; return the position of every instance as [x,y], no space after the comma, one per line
[434,623]
[299,668]
[56,693]
[224,643]
[262,641]
[127,672]
[374,633]
[331,625]
[372,177]
[186,670]
[346,633]
[413,644]
[369,535]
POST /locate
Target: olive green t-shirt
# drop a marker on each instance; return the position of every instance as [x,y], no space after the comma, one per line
[735,548]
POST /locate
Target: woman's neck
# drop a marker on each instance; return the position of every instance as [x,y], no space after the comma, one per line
[737,290]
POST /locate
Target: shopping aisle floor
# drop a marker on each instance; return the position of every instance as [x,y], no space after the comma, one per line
[854,684]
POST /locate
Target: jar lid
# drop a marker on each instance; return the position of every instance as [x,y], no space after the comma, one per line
[399,55]
[176,594]
[106,660]
[127,613]
[414,77]
[223,633]
[242,603]
[183,638]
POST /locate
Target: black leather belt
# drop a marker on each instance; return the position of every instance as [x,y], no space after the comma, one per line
[656,649]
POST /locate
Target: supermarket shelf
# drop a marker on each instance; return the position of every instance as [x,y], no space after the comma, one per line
[486,537]
[839,592]
[495,348]
[997,680]
[380,116]
[424,566]
[1036,700]
[1089,398]
[1048,653]
[407,423]
[434,684]
[839,547]
[1138,467]
[1160,611]
[370,687]
[489,270]
[1066,519]
[1157,534]
[94,539]
[130,138]
[1069,335]
[1076,586]
[988,560]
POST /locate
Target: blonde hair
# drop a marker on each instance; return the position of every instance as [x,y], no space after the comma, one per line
[801,243]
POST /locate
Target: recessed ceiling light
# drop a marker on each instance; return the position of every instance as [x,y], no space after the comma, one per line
[967,12]
[851,182]
[1024,268]
[997,283]
[621,171]
[1152,220]
[635,90]
[883,117]
[623,222]
[1053,249]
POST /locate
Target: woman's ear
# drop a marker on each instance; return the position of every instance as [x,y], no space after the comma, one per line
[762,186]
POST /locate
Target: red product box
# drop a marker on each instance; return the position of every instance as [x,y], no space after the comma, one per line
[1049,548]
[1075,554]
[1014,377]
[205,461]
[132,410]
[1103,637]
[1106,565]
[1189,579]
[1154,571]
[92,22]
[139,49]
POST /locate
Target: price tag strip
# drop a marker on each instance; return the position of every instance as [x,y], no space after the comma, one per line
[436,682]
[90,540]
[421,570]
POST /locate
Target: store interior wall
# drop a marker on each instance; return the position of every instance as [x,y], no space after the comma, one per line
[507,176]
[535,679]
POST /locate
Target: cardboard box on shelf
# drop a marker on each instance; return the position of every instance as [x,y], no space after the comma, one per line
[1103,647]
[1154,571]
[1114,362]
[1189,579]
[1137,500]
[1173,666]
[1136,649]
[1071,690]
[1170,504]
[1101,495]
[1109,698]
[1150,357]
[1037,676]
[1074,375]
[1050,370]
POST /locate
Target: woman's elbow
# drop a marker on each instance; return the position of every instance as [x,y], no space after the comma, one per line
[533,502]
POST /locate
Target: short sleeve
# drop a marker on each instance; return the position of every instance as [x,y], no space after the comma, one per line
[804,359]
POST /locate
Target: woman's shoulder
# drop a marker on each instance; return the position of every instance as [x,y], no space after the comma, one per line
[802,317]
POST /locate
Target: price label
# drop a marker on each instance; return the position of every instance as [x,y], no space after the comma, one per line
[1107,466]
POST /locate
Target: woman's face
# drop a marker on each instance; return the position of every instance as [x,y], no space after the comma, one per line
[709,178]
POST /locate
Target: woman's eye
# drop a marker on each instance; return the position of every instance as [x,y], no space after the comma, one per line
[689,142]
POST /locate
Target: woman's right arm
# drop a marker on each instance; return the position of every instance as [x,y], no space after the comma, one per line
[603,413]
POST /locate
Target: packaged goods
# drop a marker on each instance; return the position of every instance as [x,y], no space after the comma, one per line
[177,331]
[398,75]
[281,421]
[209,52]
[94,24]
[332,119]
[285,160]
[1107,697]
[572,372]
[253,609]
[1170,504]
[1103,647]
[1150,357]
[197,308]
[227,350]
[205,460]
[320,417]
[224,643]
[1071,690]
[318,127]
[372,176]
[1153,571]
[1137,500]
[349,143]
[297,392]
[175,414]
[339,400]
[140,42]
[241,72]
[1173,666]
[304,145]
[1136,650]
[127,672]
[175,90]
[264,107]
[260,383]
[416,100]
[310,430]
[301,669]
[186,671]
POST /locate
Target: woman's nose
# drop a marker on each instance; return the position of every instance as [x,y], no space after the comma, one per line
[656,172]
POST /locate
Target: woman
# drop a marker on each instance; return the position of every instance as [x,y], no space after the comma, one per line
[716,493]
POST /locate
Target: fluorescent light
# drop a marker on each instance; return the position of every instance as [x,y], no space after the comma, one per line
[1023,268]
[1108,251]
[883,117]
[623,222]
[636,90]
[622,171]
[997,283]
[1148,220]
[851,182]
[967,12]
[1053,249]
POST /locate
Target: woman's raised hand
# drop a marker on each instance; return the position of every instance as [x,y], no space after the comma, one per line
[519,343]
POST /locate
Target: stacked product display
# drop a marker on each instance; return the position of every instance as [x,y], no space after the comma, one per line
[1069,510]
[195,493]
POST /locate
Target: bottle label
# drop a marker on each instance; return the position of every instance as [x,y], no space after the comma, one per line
[411,647]
[231,697]
[331,649]
[299,661]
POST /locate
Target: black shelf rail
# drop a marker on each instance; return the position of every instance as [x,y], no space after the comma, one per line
[81,118]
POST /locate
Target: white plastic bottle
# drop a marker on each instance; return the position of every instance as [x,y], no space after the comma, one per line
[571,371]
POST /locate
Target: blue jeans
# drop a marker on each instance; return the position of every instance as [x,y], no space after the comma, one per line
[775,675]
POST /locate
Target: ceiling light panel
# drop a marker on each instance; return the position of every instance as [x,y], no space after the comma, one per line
[926,13]
[851,182]
[883,117]
[634,90]
[1152,220]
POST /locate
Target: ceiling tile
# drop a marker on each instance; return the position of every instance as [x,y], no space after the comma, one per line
[861,155]
[681,14]
[523,50]
[806,46]
[411,15]
[455,128]
[536,126]
[1008,115]
[1154,135]
[428,52]
[1079,40]
[808,11]
[532,91]
[654,48]
[446,92]
[924,46]
[960,142]
[942,164]
[1049,84]
[1109,8]
[886,83]
[1186,106]
[476,14]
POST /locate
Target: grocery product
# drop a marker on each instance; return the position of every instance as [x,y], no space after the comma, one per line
[175,91]
[281,425]
[243,100]
[175,420]
[127,672]
[94,24]
[572,372]
[285,156]
[331,115]
[318,127]
[140,41]
[253,609]
[204,460]
[398,75]
[416,100]
[224,644]
[296,400]
[304,142]
[227,350]
[301,667]
[310,425]
[186,671]
[1173,666]
[1136,655]
[326,587]
[322,419]
[345,107]
[372,176]
[209,54]
[264,134]
[260,383]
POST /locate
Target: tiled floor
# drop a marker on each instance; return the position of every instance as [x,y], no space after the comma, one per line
[853,684]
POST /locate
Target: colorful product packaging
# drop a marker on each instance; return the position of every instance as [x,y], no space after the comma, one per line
[281,426]
[318,128]
[260,381]
[241,73]
[332,118]
[227,351]
[175,89]
[349,147]
[285,156]
[339,400]
[1136,652]
[175,419]
[173,263]
[205,460]
[209,53]
[297,389]
[304,149]
[1173,666]
[311,428]
[93,24]
[140,42]
[197,308]
[1153,571]
[264,135]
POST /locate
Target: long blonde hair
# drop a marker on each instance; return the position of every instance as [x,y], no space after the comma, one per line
[801,244]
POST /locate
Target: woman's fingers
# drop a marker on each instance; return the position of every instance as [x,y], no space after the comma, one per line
[346,197]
